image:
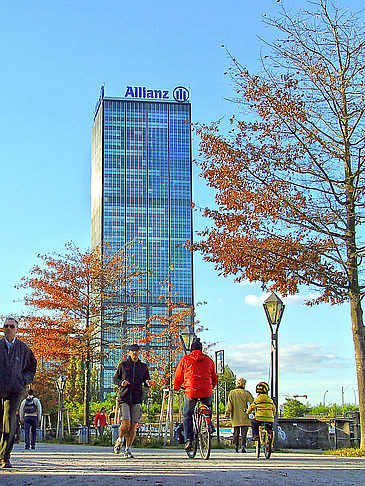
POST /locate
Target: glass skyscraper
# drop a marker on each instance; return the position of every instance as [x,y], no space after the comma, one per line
[142,193]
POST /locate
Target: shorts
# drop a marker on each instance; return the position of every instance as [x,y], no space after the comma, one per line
[131,412]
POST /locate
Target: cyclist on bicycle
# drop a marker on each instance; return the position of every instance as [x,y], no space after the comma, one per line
[264,410]
[196,372]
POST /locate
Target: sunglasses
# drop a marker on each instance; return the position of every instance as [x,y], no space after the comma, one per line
[12,326]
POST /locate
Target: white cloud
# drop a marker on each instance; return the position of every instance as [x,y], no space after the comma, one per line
[252,360]
[245,282]
[299,299]
[220,300]
[255,300]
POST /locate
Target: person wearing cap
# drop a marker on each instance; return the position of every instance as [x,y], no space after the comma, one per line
[196,373]
[238,401]
[130,377]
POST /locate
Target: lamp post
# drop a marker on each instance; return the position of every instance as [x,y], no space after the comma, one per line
[354,394]
[219,366]
[187,336]
[60,384]
[324,398]
[343,389]
[274,309]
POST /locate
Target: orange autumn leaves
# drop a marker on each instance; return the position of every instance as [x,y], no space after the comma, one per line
[277,199]
[65,293]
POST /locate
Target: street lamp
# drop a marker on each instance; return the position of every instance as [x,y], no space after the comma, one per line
[343,389]
[324,398]
[187,336]
[274,309]
[60,384]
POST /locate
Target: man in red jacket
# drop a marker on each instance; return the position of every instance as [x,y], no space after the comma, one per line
[196,372]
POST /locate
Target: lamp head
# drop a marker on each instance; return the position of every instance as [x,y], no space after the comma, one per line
[60,383]
[274,308]
[187,337]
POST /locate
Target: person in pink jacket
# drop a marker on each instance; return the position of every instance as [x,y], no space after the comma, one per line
[196,373]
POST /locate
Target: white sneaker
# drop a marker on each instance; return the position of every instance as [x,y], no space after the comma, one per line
[128,453]
[118,445]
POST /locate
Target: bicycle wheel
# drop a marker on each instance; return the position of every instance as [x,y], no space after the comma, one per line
[204,437]
[268,445]
[192,453]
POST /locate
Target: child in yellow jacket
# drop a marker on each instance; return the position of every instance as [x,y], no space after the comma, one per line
[264,409]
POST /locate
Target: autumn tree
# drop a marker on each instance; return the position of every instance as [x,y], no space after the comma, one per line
[44,385]
[161,338]
[289,176]
[68,295]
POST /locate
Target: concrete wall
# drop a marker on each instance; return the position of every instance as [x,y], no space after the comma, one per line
[312,433]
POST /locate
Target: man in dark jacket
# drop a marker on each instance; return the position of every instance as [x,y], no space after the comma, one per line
[196,372]
[17,369]
[130,377]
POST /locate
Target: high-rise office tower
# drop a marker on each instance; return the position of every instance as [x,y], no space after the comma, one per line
[142,192]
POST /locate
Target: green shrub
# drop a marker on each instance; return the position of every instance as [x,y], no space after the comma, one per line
[69,439]
[150,442]
[104,440]
[295,408]
[348,452]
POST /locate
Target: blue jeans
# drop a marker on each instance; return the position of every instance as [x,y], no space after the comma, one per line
[30,425]
[188,410]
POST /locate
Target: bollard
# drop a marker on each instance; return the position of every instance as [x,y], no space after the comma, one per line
[115,433]
[83,435]
[39,435]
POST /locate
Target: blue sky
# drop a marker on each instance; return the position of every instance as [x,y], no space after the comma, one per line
[55,55]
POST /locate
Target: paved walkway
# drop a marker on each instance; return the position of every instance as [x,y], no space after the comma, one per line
[71,465]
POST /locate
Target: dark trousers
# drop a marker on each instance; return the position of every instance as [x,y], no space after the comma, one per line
[30,430]
[188,410]
[240,430]
[8,423]
[255,424]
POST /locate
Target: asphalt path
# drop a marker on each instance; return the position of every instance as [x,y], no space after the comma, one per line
[71,465]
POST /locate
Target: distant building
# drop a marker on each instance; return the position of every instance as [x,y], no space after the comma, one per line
[142,190]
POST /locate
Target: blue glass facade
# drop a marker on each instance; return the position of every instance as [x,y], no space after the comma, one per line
[141,192]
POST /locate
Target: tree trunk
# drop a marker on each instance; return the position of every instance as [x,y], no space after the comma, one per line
[87,393]
[87,384]
[353,275]
[358,331]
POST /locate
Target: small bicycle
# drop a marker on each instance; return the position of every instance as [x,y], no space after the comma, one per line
[265,441]
[202,428]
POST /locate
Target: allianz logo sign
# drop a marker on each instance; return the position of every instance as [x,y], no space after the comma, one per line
[180,93]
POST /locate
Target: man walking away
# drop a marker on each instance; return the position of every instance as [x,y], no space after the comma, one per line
[30,415]
[130,377]
[196,372]
[17,369]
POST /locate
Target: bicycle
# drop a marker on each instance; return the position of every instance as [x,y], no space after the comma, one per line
[265,441]
[202,428]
